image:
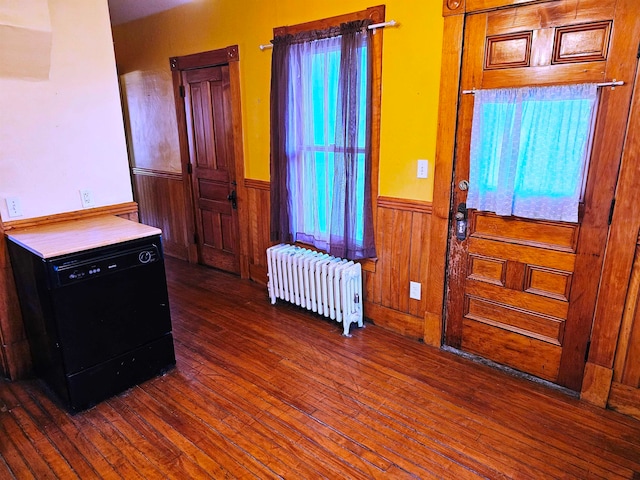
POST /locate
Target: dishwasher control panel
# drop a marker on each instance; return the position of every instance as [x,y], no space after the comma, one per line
[67,271]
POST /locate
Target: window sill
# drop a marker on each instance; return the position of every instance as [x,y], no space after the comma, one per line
[368,264]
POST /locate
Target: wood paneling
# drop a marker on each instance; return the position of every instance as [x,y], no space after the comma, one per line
[128,210]
[546,14]
[534,325]
[508,51]
[447,121]
[547,282]
[399,322]
[625,224]
[487,269]
[624,395]
[582,43]
[550,235]
[15,356]
[160,197]
[625,399]
[402,244]
[615,105]
[509,348]
[258,206]
[418,206]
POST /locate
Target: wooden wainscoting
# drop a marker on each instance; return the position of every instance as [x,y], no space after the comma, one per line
[160,197]
[402,244]
[15,356]
[625,388]
[258,202]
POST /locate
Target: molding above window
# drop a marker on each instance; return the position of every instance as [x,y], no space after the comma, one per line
[376,14]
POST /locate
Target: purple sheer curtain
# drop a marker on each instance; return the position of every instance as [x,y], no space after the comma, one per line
[280,198]
[350,232]
[344,238]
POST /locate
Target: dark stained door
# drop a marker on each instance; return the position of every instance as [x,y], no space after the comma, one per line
[522,292]
[210,134]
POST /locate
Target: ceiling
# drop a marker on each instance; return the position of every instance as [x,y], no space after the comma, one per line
[123,11]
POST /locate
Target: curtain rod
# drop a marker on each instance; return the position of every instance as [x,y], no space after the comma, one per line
[373,26]
[613,84]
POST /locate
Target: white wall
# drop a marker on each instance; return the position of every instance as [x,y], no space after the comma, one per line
[65,133]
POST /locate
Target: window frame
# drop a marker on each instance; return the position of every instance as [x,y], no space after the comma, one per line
[377,15]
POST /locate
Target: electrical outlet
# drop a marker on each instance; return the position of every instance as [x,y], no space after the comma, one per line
[423,168]
[86,197]
[414,290]
[14,206]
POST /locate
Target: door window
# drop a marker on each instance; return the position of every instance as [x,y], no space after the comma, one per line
[529,150]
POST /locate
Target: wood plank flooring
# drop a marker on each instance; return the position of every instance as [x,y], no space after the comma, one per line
[265,391]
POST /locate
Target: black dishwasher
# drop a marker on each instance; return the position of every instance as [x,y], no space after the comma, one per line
[98,321]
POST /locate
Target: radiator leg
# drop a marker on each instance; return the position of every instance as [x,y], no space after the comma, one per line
[345,330]
[272,293]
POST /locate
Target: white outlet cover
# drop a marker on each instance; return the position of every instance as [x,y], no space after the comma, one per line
[86,197]
[14,207]
[415,290]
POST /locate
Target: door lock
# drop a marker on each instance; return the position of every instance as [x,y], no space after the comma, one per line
[233,199]
[461,221]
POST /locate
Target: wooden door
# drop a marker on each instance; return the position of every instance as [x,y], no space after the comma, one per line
[522,292]
[211,156]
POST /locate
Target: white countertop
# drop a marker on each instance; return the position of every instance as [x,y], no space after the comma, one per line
[55,239]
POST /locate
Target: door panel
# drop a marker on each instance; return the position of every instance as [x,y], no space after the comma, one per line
[522,292]
[208,108]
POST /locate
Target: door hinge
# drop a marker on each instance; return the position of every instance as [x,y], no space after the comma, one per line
[586,353]
[613,204]
[190,170]
[182,92]
[195,238]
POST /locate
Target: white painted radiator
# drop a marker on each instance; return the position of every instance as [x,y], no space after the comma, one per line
[317,281]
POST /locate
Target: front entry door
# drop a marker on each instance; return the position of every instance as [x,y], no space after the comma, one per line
[210,135]
[522,292]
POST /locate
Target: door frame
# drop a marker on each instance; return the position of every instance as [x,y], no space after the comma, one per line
[229,56]
[455,13]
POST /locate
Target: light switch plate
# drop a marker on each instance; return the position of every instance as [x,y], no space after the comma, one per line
[423,168]
[415,290]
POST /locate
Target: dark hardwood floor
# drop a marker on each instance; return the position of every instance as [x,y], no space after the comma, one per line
[265,391]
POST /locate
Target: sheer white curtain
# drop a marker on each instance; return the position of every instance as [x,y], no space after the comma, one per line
[312,127]
[529,150]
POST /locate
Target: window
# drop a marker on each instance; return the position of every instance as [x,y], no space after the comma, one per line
[321,141]
[530,150]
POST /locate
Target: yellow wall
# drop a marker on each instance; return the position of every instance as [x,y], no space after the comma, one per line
[410,78]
